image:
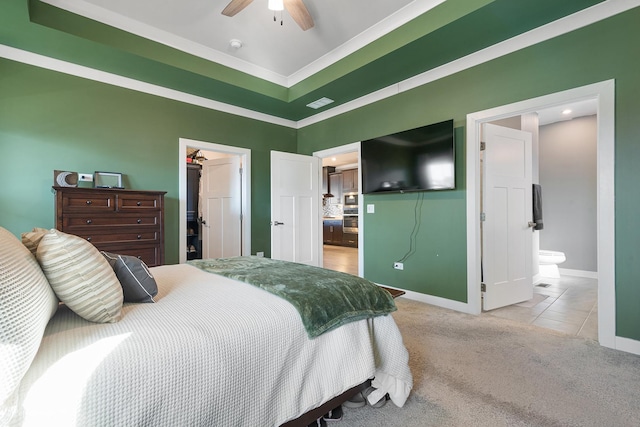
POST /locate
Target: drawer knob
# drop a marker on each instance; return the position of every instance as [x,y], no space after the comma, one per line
[138,203]
[139,221]
[89,221]
[89,239]
[88,202]
[139,236]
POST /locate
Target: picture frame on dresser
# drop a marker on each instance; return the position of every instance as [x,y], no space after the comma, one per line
[119,221]
[107,180]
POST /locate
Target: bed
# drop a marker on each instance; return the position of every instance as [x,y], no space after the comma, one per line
[211,350]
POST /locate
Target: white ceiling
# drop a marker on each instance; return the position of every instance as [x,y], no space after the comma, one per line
[567,111]
[281,54]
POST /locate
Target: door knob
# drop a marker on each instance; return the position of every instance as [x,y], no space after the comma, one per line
[531,224]
[276,223]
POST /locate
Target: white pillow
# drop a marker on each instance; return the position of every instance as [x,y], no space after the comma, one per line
[80,276]
[26,305]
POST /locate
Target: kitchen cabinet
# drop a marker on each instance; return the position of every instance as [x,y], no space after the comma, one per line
[335,186]
[350,239]
[332,231]
[350,181]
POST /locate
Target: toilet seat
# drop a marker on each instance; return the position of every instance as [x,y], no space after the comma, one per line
[551,257]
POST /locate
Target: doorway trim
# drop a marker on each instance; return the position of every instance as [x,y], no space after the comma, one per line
[604,94]
[348,148]
[245,155]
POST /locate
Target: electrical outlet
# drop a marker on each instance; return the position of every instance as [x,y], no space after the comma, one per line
[398,266]
[260,254]
[85,177]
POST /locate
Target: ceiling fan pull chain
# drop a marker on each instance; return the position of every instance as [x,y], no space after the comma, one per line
[281,18]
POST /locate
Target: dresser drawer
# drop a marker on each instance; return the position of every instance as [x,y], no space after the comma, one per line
[89,202]
[119,220]
[108,236]
[127,222]
[149,254]
[128,202]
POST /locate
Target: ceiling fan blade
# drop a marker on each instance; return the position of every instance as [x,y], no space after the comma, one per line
[299,13]
[235,6]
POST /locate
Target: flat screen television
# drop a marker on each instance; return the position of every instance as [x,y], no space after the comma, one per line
[420,159]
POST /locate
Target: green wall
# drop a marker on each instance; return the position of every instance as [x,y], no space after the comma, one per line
[50,120]
[603,51]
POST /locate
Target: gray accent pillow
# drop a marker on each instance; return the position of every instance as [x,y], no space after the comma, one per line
[138,284]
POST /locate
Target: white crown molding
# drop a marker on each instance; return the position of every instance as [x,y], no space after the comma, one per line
[580,19]
[382,28]
[128,83]
[99,14]
[392,22]
[543,33]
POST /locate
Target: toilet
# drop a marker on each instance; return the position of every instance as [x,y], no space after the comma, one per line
[549,261]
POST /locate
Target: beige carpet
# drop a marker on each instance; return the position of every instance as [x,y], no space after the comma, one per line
[487,371]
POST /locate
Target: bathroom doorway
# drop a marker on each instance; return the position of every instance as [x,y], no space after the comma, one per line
[603,94]
[565,167]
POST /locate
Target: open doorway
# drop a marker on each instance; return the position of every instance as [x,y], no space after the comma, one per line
[603,94]
[564,244]
[187,231]
[342,230]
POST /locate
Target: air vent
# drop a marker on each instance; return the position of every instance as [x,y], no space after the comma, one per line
[320,103]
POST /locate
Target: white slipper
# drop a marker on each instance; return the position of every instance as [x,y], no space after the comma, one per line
[380,403]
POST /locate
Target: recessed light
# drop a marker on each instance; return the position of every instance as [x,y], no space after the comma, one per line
[235,43]
[320,103]
[567,111]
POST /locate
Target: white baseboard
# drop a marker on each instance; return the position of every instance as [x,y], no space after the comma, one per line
[437,301]
[579,273]
[628,345]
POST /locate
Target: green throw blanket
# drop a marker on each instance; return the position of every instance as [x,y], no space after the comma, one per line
[325,299]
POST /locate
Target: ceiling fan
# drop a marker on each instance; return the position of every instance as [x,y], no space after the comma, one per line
[296,9]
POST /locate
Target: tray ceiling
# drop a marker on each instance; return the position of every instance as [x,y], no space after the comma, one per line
[356,48]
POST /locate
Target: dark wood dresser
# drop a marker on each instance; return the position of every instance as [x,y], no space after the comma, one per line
[126,222]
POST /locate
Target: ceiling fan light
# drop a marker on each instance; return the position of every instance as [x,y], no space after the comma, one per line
[276,5]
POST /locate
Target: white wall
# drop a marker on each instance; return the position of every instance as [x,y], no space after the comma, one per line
[568,175]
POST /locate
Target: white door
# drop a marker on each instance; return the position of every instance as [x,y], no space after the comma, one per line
[221,208]
[295,208]
[506,230]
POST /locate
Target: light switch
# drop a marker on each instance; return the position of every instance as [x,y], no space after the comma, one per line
[371,208]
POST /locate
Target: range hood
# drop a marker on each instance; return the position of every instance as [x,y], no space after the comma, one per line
[325,181]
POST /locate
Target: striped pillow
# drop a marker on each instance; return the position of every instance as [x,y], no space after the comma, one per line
[81,277]
[31,239]
[26,305]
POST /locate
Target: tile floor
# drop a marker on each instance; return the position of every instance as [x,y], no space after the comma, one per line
[568,304]
[340,258]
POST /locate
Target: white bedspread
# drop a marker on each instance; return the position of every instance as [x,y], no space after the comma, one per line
[211,352]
